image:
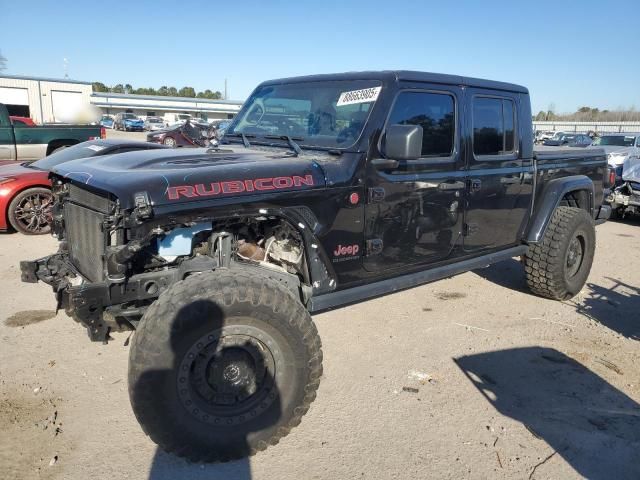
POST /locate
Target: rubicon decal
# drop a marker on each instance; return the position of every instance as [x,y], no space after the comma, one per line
[239,186]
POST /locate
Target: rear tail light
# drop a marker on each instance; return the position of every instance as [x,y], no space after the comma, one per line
[103,133]
[611,177]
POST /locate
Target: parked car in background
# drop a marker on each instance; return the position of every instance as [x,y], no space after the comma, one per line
[185,134]
[128,122]
[25,193]
[152,124]
[22,142]
[107,121]
[620,148]
[570,140]
[22,121]
[541,136]
[177,118]
[219,127]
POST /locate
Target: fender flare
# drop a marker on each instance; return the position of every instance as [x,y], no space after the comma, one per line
[551,196]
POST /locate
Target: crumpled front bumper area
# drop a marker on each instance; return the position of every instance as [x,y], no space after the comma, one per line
[105,306]
[51,269]
[84,303]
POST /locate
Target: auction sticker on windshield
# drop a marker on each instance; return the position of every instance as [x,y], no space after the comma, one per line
[359,96]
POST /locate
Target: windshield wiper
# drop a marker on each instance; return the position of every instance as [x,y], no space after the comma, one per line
[244,138]
[292,144]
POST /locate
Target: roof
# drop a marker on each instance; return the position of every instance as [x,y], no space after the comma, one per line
[45,79]
[406,75]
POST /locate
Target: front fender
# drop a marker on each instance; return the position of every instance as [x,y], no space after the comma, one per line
[552,195]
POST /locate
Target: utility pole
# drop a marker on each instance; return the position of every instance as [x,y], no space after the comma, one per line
[66,67]
[225,90]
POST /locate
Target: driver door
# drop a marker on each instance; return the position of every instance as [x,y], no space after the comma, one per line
[414,212]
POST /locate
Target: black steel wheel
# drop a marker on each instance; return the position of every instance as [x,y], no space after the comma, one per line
[30,211]
[575,254]
[223,364]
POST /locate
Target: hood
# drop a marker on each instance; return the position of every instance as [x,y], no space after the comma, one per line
[12,168]
[131,120]
[631,170]
[187,175]
[616,154]
[615,149]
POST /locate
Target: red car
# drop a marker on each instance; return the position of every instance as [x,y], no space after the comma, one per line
[22,121]
[25,190]
[188,134]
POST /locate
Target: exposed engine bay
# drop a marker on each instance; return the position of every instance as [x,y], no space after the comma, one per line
[261,241]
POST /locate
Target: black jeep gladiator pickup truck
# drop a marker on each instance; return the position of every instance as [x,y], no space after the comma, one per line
[324,191]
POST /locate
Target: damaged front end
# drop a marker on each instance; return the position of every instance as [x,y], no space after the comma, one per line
[625,199]
[113,263]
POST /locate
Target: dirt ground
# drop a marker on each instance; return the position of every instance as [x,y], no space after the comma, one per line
[470,377]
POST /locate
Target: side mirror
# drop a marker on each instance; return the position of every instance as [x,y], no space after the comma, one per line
[403,142]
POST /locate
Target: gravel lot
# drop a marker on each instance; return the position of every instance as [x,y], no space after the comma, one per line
[470,377]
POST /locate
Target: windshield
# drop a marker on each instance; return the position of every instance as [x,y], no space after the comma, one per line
[314,114]
[81,150]
[154,120]
[617,140]
[129,116]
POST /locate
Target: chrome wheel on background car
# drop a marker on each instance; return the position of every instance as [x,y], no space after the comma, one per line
[30,211]
[169,142]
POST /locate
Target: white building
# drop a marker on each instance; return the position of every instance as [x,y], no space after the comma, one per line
[48,100]
[45,100]
[166,107]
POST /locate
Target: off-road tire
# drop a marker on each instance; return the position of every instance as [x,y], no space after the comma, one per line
[546,263]
[194,309]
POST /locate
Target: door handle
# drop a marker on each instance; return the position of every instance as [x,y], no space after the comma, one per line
[509,180]
[451,186]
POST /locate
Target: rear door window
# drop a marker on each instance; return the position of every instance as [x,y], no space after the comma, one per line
[493,126]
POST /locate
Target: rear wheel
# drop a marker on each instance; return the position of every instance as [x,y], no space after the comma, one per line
[223,365]
[559,265]
[30,211]
[169,141]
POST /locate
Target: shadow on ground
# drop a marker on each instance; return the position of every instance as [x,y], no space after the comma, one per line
[508,274]
[168,467]
[616,307]
[592,425]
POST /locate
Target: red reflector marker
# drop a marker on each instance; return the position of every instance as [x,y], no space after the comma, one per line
[354,198]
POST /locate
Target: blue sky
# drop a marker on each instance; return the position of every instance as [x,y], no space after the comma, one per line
[568,54]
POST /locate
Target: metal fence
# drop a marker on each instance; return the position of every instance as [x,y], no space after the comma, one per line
[600,127]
